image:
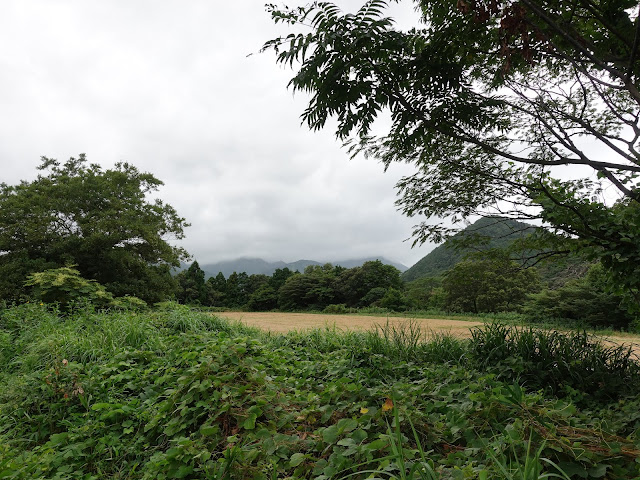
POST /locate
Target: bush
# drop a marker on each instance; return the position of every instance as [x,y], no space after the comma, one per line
[65,287]
[336,308]
[130,302]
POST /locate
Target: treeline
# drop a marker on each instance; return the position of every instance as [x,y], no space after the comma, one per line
[496,284]
[317,288]
[490,284]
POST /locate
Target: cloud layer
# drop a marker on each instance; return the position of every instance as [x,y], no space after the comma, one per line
[169,87]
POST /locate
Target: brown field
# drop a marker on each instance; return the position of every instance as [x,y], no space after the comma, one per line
[284,322]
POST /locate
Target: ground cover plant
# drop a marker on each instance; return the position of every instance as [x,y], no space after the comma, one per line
[174,393]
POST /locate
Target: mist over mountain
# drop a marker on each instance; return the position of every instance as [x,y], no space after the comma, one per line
[260,266]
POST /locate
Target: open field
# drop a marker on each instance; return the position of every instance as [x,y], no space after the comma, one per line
[282,322]
[285,322]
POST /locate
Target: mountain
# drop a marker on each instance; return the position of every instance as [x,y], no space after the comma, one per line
[501,231]
[259,266]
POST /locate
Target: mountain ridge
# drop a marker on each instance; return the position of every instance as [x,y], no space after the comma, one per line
[257,266]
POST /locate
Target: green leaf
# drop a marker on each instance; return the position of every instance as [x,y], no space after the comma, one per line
[250,422]
[296,459]
[330,434]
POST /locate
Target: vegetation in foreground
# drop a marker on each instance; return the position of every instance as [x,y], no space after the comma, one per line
[180,394]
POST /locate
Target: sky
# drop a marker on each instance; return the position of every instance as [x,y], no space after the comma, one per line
[180,90]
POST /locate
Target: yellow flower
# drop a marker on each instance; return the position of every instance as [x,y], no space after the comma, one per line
[364,410]
[387,405]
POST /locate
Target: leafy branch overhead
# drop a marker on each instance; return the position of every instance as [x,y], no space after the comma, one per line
[527,109]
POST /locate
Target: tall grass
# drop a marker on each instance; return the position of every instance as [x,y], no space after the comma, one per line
[556,361]
[83,337]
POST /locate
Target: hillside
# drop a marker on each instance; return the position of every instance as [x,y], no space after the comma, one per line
[501,231]
[259,266]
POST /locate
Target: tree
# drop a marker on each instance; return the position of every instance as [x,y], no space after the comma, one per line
[314,289]
[216,290]
[423,293]
[493,285]
[237,292]
[192,287]
[263,299]
[279,277]
[99,220]
[491,100]
[356,283]
[584,299]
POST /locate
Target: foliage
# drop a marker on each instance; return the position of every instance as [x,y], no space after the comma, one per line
[337,308]
[490,233]
[393,300]
[216,290]
[191,285]
[557,362]
[424,293]
[357,283]
[488,100]
[66,287]
[314,289]
[491,285]
[121,395]
[237,289]
[586,300]
[99,220]
[263,299]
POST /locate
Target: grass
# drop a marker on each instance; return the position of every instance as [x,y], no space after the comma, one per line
[179,394]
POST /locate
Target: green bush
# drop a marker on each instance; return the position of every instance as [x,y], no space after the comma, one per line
[130,302]
[336,308]
[65,287]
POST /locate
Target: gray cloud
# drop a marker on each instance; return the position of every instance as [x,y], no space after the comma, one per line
[168,87]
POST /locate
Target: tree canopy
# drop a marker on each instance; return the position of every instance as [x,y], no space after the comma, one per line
[527,109]
[101,221]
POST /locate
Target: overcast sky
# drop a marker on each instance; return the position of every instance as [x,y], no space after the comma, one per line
[168,86]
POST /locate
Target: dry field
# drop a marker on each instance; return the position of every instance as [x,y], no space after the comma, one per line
[285,322]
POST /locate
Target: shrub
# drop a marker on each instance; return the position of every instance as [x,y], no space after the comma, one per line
[336,308]
[130,302]
[65,286]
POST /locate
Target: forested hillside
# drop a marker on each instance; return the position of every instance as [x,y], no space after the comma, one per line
[498,232]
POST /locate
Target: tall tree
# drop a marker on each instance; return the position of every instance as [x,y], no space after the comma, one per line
[357,282]
[216,290]
[492,100]
[192,287]
[99,220]
[492,285]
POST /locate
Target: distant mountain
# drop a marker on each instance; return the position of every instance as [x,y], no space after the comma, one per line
[501,231]
[259,266]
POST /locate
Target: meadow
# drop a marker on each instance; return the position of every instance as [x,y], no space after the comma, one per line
[176,393]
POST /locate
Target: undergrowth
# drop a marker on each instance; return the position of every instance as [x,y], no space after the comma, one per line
[179,394]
